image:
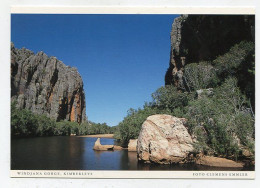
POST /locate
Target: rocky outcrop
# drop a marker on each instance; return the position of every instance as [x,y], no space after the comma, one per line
[98,146]
[164,139]
[45,85]
[218,162]
[196,38]
[132,145]
[117,147]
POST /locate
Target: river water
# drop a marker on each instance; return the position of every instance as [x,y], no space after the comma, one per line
[76,153]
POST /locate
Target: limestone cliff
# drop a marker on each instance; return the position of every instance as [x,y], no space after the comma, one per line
[197,38]
[46,85]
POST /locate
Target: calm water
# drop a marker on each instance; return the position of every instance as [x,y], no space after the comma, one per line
[76,153]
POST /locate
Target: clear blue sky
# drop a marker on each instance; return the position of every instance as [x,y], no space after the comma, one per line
[122,58]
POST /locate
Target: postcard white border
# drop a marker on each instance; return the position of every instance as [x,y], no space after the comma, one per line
[130,10]
[133,174]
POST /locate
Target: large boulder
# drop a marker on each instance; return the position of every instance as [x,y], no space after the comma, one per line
[164,139]
[132,145]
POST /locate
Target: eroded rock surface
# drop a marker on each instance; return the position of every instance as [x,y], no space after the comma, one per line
[164,139]
[132,145]
[46,85]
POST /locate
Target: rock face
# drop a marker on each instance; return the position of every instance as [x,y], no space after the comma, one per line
[164,139]
[197,38]
[132,145]
[100,147]
[45,85]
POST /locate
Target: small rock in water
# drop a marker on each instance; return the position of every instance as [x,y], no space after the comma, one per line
[100,147]
[117,147]
[132,145]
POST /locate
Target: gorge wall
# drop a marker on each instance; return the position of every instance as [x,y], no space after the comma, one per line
[46,85]
[206,37]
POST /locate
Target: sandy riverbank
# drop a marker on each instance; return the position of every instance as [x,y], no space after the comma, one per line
[99,136]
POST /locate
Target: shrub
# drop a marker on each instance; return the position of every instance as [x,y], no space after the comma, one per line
[199,76]
[169,98]
[23,122]
[45,126]
[239,62]
[224,118]
[229,63]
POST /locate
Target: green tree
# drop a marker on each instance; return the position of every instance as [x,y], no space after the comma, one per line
[169,98]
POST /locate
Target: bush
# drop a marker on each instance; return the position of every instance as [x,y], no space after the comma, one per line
[230,63]
[45,126]
[66,128]
[239,62]
[225,119]
[91,128]
[170,99]
[23,122]
[199,76]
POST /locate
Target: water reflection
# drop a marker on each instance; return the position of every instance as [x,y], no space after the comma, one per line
[132,160]
[46,153]
[128,160]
